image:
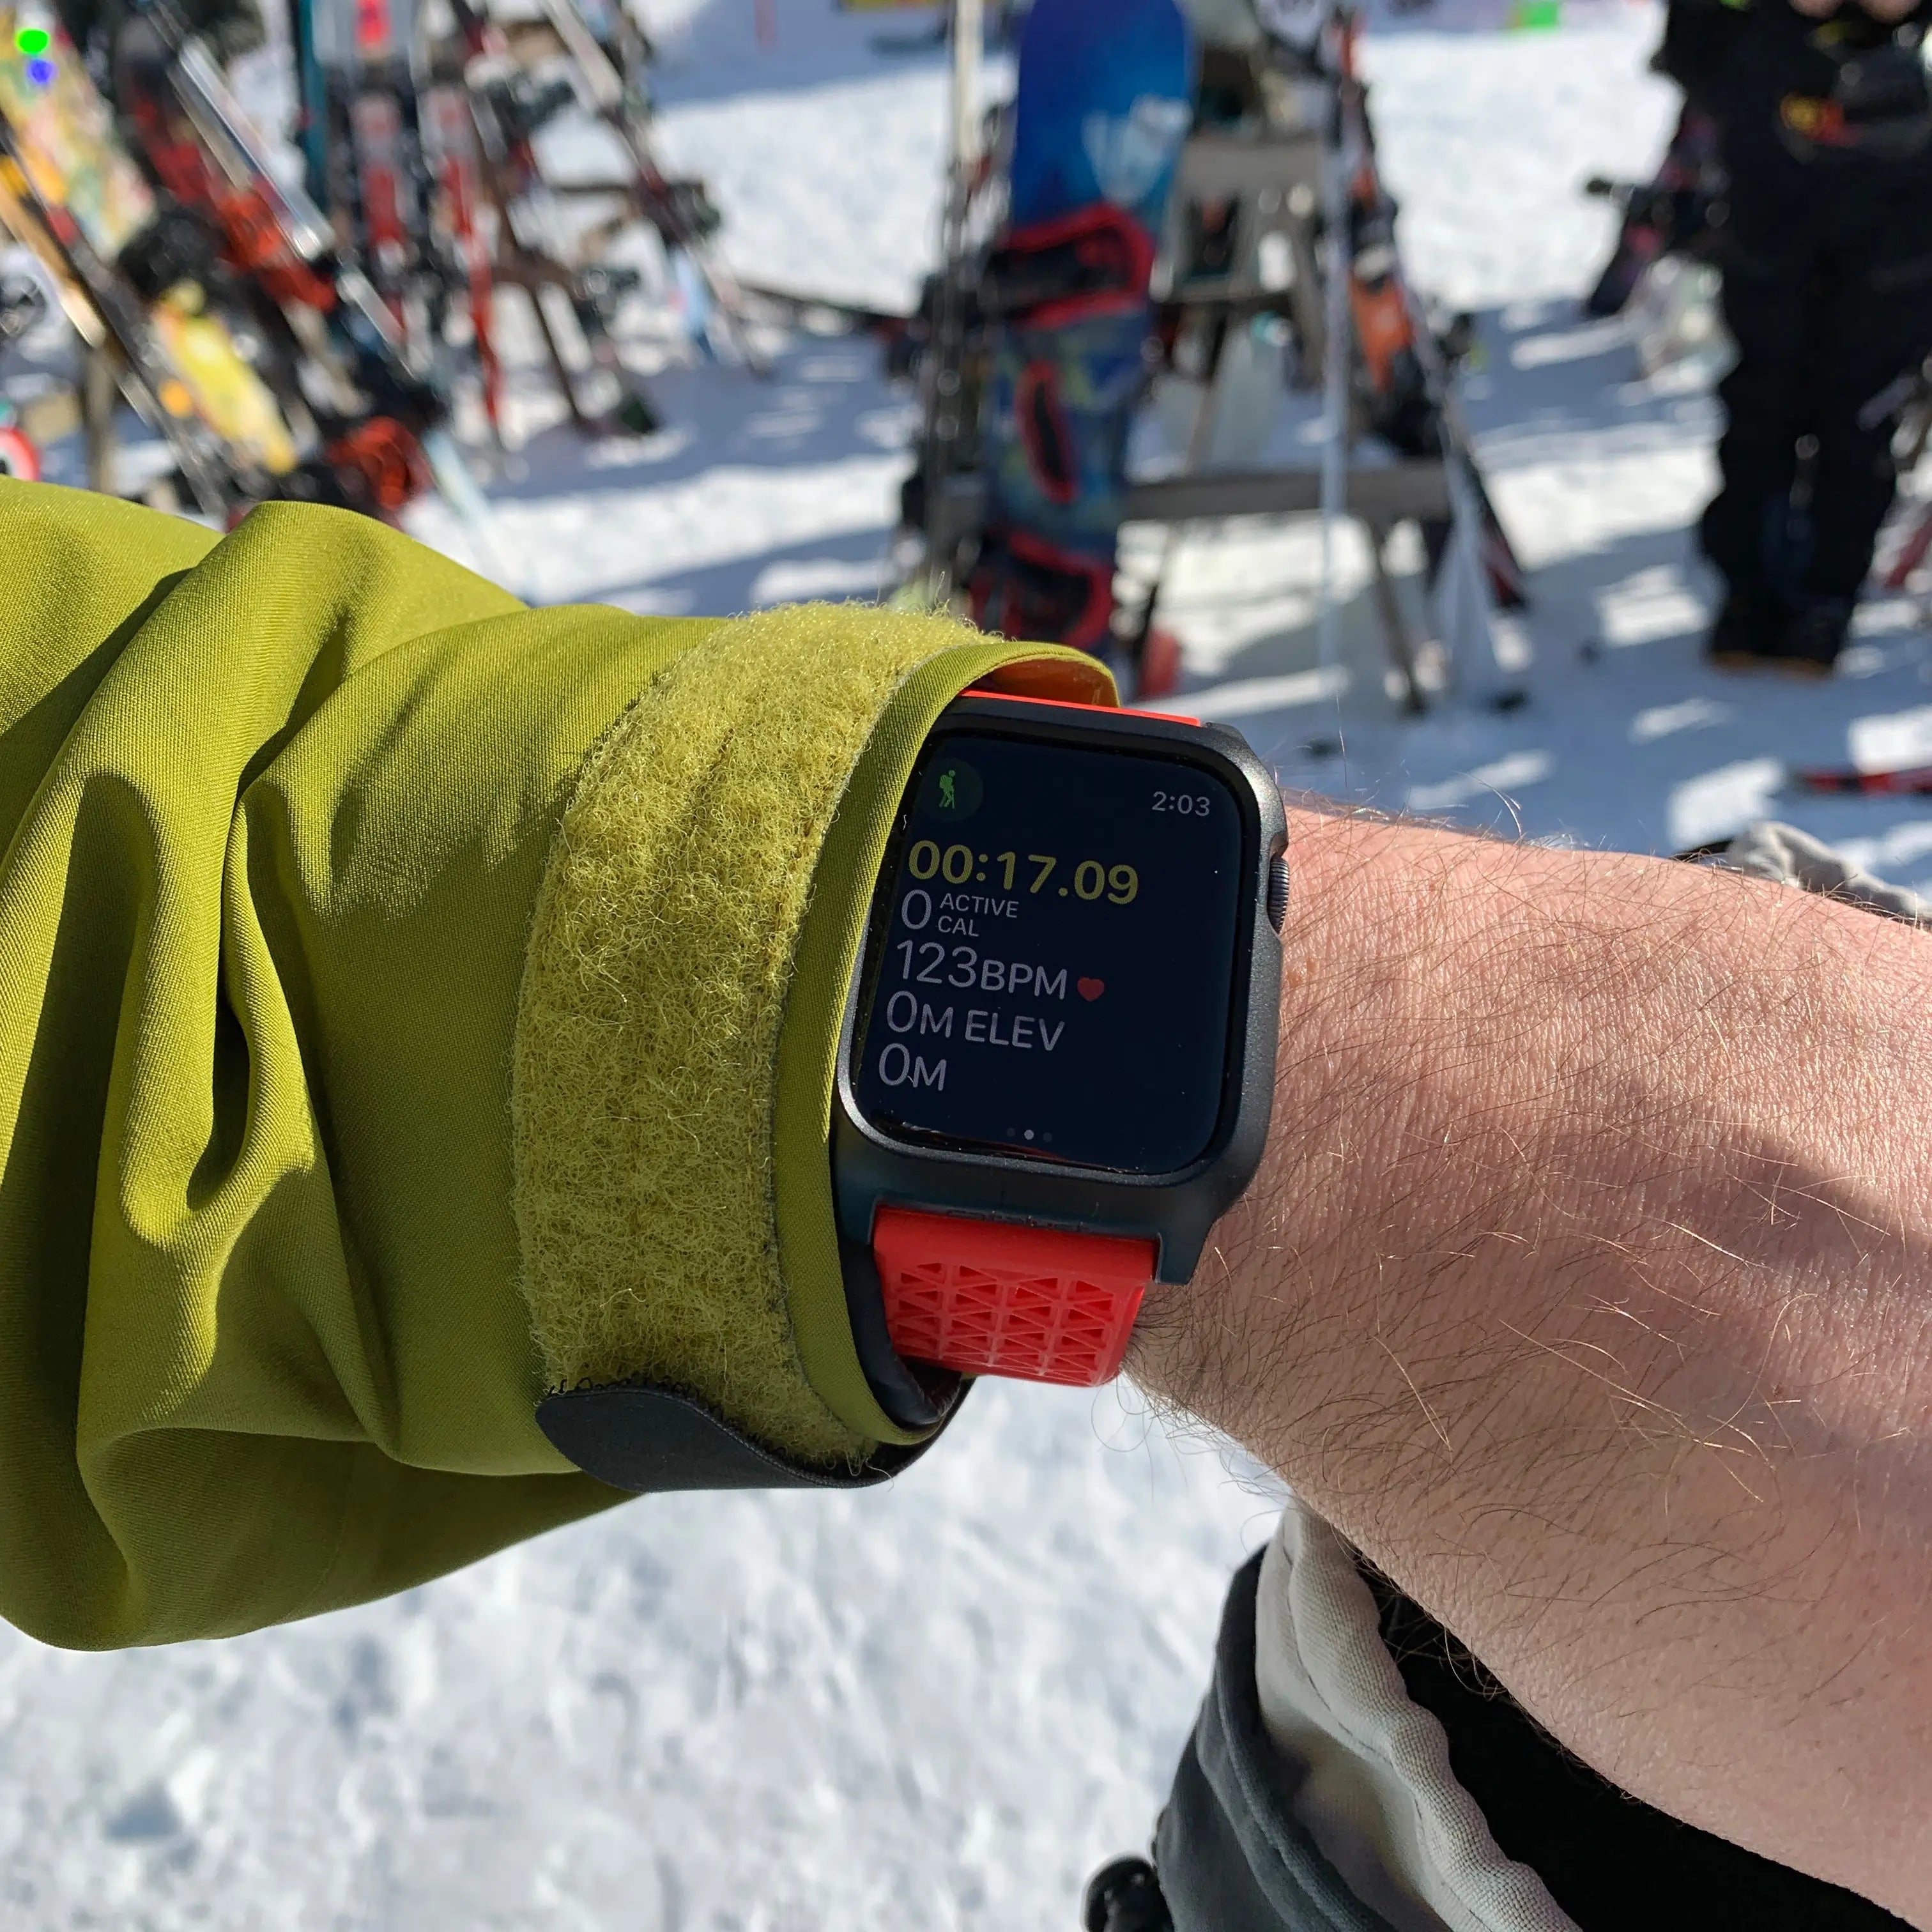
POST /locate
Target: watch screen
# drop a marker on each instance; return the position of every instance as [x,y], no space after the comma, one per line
[1054,976]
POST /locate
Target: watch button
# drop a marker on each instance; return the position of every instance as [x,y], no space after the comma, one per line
[1277,890]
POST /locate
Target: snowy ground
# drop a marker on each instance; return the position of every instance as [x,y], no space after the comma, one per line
[940,1706]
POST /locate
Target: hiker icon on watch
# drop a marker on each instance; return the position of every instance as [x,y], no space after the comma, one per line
[955,791]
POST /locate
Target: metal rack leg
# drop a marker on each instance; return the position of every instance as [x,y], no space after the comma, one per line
[1395,622]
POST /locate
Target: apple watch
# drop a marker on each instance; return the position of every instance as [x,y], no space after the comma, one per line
[1055,1073]
[1057,1059]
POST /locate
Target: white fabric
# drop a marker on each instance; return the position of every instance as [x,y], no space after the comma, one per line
[1223,23]
[1370,1766]
[1770,850]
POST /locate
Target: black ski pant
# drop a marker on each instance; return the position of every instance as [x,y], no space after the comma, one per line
[1828,292]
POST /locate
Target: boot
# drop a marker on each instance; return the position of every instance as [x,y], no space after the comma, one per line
[1812,638]
[1747,632]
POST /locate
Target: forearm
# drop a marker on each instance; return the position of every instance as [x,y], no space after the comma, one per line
[1584,1287]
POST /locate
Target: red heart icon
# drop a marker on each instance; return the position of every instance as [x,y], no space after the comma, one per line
[1090,989]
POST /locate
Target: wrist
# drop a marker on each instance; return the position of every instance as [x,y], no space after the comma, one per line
[1582,1287]
[1530,1107]
[1268,1338]
[1048,1092]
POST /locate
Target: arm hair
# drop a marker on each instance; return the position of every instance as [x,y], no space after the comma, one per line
[1587,1286]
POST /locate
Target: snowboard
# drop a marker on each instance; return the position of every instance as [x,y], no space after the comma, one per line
[1102,102]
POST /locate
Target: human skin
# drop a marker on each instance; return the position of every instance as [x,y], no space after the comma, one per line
[1586,1285]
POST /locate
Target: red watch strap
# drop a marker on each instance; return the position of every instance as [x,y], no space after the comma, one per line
[989,1298]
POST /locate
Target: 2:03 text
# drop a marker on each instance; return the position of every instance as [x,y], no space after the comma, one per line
[1188,804]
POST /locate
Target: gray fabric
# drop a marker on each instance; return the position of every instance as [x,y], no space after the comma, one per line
[1789,857]
[1231,1855]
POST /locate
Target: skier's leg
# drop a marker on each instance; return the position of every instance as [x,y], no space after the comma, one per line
[1878,330]
[1766,306]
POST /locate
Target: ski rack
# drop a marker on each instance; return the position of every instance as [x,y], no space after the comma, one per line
[1291,180]
[1276,177]
[119,355]
[532,252]
[413,204]
[319,303]
[1275,174]
[605,85]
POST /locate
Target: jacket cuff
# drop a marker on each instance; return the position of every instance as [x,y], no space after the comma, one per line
[699,920]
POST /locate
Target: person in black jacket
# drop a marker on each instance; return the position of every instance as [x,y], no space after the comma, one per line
[1827,259]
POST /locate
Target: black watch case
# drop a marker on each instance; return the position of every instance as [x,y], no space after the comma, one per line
[872,1167]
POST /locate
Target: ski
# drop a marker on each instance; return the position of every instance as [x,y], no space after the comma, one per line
[453,141]
[378,113]
[1408,397]
[680,211]
[1915,782]
[236,144]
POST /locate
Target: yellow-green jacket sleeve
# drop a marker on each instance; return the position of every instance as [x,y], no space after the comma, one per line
[409,1003]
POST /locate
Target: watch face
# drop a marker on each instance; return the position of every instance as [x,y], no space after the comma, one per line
[1053,973]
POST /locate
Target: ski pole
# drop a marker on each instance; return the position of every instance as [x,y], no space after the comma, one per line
[948,388]
[1336,355]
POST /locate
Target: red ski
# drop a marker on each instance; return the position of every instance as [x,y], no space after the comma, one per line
[1915,783]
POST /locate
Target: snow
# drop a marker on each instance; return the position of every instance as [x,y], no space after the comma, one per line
[938,1706]
[942,1705]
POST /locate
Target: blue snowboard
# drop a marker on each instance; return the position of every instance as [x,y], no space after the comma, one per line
[1103,103]
[1105,96]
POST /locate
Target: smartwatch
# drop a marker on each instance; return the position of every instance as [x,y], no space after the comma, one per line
[1057,1059]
